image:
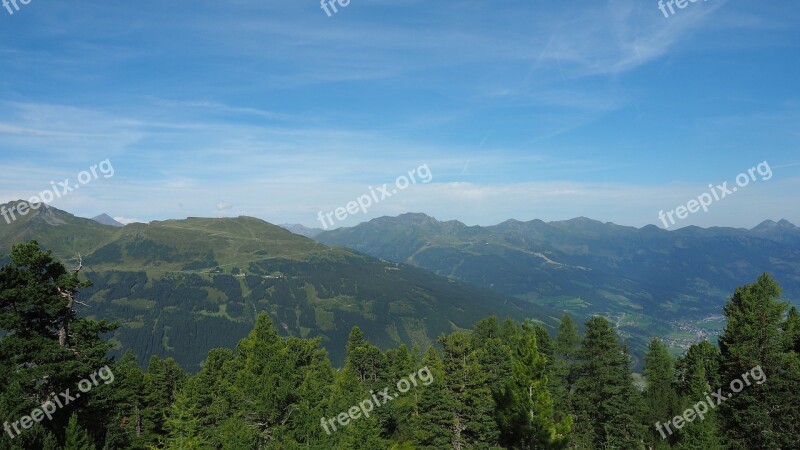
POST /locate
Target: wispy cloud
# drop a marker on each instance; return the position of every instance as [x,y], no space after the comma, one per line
[521,109]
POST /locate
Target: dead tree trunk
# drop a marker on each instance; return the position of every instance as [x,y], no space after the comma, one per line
[69,295]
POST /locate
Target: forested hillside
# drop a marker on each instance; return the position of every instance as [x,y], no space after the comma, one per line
[501,384]
[180,288]
[649,281]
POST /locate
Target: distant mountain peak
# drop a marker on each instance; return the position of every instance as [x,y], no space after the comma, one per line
[417,217]
[420,220]
[105,219]
[302,230]
[580,223]
[42,213]
[772,225]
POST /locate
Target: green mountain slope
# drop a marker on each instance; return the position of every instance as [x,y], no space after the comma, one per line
[651,282]
[183,287]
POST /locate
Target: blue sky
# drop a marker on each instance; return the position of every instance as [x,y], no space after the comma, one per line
[521,109]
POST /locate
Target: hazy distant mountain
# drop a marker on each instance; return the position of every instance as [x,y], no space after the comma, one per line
[105,219]
[649,279]
[183,287]
[302,230]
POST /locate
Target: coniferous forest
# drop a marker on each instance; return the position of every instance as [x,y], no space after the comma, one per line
[500,385]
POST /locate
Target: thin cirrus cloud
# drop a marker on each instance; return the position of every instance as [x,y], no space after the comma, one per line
[521,109]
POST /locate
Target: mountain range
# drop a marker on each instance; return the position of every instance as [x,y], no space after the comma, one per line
[652,282]
[180,288]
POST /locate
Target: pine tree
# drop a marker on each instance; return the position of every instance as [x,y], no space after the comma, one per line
[181,426]
[163,381]
[703,433]
[264,386]
[791,331]
[371,368]
[607,407]
[434,422]
[77,438]
[759,416]
[46,346]
[315,378]
[568,340]
[364,432]
[661,398]
[484,330]
[565,349]
[525,408]
[466,379]
[126,428]
[545,343]
[697,374]
[782,389]
[208,394]
[402,362]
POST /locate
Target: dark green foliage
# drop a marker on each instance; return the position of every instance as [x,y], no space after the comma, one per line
[697,372]
[755,337]
[162,383]
[434,423]
[608,409]
[46,348]
[568,340]
[545,343]
[473,405]
[126,427]
[76,438]
[791,331]
[661,398]
[498,386]
[525,405]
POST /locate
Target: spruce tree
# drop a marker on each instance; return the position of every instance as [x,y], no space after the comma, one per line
[163,381]
[466,380]
[568,340]
[697,375]
[761,415]
[402,362]
[525,408]
[361,433]
[208,394]
[608,408]
[181,426]
[545,343]
[565,348]
[126,427]
[791,331]
[661,398]
[264,389]
[46,346]
[703,433]
[76,438]
[435,420]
